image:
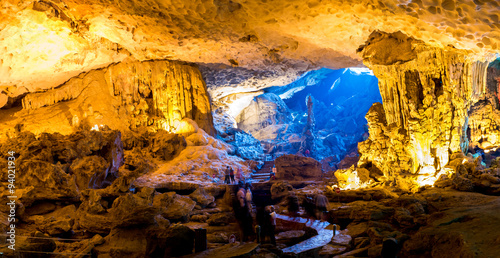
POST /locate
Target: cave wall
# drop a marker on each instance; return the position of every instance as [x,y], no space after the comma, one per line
[426,91]
[127,95]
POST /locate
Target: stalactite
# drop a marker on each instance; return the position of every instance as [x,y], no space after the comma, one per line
[479,79]
[177,91]
[426,99]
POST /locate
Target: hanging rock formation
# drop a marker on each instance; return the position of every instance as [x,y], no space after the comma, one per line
[160,94]
[426,92]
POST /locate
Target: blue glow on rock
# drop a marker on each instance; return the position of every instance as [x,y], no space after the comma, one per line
[341,99]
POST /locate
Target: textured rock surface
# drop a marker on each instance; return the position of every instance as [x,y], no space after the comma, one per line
[484,122]
[424,113]
[132,242]
[173,206]
[265,110]
[47,42]
[158,94]
[293,167]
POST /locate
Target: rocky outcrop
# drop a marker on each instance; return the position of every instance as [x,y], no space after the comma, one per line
[180,241]
[294,167]
[173,206]
[266,110]
[202,197]
[426,92]
[247,147]
[131,94]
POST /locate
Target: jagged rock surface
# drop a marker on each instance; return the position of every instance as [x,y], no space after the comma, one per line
[266,110]
[159,94]
[294,167]
[423,90]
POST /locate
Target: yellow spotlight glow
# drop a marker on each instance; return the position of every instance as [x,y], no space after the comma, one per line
[349,180]
[96,127]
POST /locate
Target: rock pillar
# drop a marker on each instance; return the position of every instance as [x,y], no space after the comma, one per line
[426,91]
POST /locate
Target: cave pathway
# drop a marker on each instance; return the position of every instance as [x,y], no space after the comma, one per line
[313,244]
[263,173]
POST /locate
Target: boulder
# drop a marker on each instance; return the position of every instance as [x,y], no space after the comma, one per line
[57,222]
[331,250]
[92,215]
[342,240]
[356,230]
[218,237]
[202,197]
[280,189]
[294,167]
[265,110]
[220,219]
[44,181]
[173,206]
[462,184]
[166,146]
[84,168]
[180,241]
[124,242]
[162,222]
[200,218]
[133,209]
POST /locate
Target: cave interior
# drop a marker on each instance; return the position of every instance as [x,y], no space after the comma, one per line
[122,123]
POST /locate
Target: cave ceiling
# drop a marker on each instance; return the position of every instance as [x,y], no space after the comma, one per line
[44,43]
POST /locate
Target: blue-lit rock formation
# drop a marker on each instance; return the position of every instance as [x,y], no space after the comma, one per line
[340,100]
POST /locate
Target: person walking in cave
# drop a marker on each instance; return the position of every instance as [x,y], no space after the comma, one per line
[270,224]
[242,215]
[309,207]
[322,206]
[227,176]
[307,153]
[272,174]
[231,174]
[249,197]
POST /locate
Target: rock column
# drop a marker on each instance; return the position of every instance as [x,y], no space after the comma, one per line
[426,92]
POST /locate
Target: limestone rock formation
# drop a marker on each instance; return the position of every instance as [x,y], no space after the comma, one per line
[202,197]
[308,144]
[158,94]
[293,167]
[173,206]
[245,144]
[129,242]
[265,111]
[68,37]
[423,90]
[180,240]
[484,122]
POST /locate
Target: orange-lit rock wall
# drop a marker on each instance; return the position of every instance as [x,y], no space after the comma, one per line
[158,94]
[426,94]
